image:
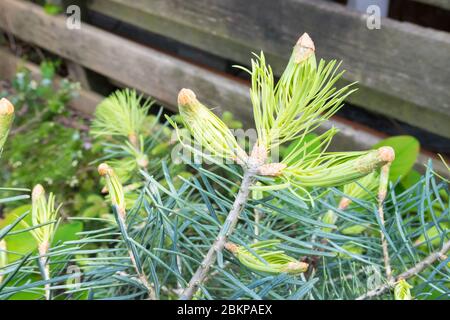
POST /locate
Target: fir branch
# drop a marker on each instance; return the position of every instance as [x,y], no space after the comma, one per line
[121,216]
[225,231]
[115,190]
[415,270]
[122,114]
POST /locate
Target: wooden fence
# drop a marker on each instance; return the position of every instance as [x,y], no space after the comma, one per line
[402,69]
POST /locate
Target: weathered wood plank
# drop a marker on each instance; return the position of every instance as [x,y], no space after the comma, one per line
[350,137]
[401,68]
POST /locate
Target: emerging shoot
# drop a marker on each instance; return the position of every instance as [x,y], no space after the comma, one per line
[264,259]
[304,98]
[6,119]
[44,218]
[114,187]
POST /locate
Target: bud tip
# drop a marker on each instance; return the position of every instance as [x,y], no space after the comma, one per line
[387,154]
[344,203]
[297,267]
[37,192]
[142,161]
[304,48]
[186,97]
[305,41]
[6,107]
[231,247]
[103,169]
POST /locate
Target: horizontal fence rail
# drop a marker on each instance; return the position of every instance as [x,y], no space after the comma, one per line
[350,137]
[402,69]
[150,71]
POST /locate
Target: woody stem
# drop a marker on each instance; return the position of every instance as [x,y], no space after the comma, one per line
[225,231]
[43,261]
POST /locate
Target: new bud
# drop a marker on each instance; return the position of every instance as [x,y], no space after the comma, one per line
[186,98]
[304,48]
[295,267]
[338,173]
[6,107]
[103,169]
[44,216]
[233,248]
[208,130]
[330,217]
[114,187]
[38,192]
[267,258]
[6,119]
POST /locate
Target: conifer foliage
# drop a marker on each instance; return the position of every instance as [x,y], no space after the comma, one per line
[241,224]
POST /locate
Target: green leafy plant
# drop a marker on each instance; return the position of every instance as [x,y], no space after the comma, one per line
[45,126]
